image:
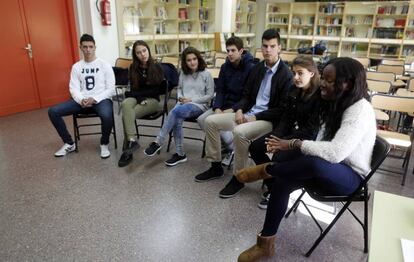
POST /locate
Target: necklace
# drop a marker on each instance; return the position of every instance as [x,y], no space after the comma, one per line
[194,75]
[143,72]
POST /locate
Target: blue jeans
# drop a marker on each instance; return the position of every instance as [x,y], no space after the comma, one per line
[103,109]
[174,122]
[305,171]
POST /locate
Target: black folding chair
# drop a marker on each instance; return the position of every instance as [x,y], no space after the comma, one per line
[361,194]
[89,113]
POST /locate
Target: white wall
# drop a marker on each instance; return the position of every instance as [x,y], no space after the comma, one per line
[106,37]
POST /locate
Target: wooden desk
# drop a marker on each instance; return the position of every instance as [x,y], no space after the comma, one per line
[392,219]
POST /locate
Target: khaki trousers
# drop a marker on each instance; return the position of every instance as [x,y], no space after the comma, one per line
[243,135]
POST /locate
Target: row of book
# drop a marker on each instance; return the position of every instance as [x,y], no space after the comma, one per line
[296,20]
[328,31]
[331,9]
[330,21]
[278,20]
[392,10]
[161,49]
[357,20]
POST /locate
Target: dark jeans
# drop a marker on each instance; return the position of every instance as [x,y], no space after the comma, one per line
[103,109]
[300,172]
[258,150]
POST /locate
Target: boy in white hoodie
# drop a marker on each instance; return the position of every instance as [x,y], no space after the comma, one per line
[92,84]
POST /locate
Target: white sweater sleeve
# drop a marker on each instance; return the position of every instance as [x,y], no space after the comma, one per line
[354,121]
[109,89]
[75,84]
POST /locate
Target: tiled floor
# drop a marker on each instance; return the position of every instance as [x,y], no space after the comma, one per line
[83,208]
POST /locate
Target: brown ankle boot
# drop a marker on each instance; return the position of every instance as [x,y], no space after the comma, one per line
[251,174]
[264,249]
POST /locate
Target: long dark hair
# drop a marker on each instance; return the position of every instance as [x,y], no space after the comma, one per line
[154,71]
[351,72]
[201,63]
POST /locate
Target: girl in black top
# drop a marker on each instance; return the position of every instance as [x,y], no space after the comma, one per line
[143,99]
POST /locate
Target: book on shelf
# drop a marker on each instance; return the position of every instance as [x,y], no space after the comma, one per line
[203,3]
[203,14]
[273,9]
[161,49]
[393,10]
[160,12]
[183,13]
[331,9]
[250,8]
[183,45]
[159,28]
[185,27]
[203,27]
[250,18]
[185,2]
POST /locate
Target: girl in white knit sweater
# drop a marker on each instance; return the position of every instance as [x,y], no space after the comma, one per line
[333,162]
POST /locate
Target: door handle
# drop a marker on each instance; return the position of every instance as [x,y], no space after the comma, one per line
[29,50]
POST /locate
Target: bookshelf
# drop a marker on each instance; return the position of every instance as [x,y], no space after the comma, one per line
[168,26]
[376,29]
[245,24]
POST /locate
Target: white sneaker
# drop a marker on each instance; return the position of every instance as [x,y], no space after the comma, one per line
[105,151]
[66,148]
[227,159]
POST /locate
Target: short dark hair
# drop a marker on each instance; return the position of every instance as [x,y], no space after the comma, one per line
[201,63]
[271,34]
[86,38]
[234,40]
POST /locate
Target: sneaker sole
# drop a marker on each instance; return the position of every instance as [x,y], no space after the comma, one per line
[262,207]
[230,196]
[105,157]
[205,180]
[153,154]
[176,163]
[65,154]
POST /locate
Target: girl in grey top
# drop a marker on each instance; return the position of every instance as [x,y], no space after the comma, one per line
[194,92]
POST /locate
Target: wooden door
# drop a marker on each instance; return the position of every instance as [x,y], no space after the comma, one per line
[40,80]
[18,88]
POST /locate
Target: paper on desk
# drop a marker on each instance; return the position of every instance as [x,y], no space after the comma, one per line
[408,250]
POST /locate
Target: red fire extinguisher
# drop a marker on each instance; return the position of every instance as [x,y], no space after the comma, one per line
[106,12]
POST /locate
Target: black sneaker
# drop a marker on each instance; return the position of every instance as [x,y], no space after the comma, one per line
[152,149]
[176,159]
[131,146]
[125,159]
[231,189]
[211,173]
[263,204]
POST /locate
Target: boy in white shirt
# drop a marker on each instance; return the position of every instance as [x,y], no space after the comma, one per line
[92,84]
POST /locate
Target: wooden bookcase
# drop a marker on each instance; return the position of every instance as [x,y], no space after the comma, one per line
[371,29]
[245,24]
[168,26]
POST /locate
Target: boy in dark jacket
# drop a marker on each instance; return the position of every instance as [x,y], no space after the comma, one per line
[229,85]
